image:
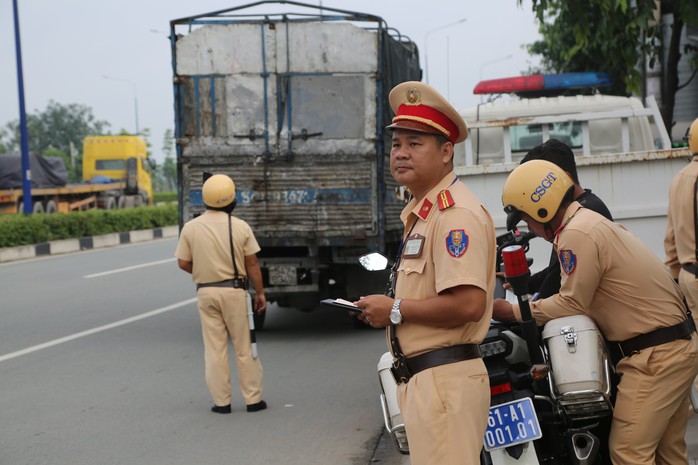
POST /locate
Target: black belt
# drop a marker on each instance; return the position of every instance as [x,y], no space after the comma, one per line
[691,268]
[236,283]
[443,356]
[657,337]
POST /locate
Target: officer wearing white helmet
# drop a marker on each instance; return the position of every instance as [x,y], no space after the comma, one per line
[680,243]
[609,275]
[219,250]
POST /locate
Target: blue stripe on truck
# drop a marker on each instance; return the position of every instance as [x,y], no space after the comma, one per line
[295,196]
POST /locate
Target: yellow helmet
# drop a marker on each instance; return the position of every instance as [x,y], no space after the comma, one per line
[537,188]
[693,137]
[218,191]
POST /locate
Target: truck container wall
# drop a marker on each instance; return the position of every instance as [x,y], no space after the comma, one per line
[294,110]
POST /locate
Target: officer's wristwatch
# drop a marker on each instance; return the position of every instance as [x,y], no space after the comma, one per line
[395,315]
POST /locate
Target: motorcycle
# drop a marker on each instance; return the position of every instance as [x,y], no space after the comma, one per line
[551,391]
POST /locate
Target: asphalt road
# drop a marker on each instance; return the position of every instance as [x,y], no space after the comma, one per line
[101,362]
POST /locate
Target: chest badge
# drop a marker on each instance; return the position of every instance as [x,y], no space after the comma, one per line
[457,243]
[413,246]
[568,261]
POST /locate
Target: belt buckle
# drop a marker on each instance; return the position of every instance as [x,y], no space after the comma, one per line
[400,371]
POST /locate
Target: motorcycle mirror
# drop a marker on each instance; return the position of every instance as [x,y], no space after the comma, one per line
[373,261]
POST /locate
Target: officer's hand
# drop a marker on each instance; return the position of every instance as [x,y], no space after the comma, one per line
[505,283]
[376,310]
[260,303]
[502,310]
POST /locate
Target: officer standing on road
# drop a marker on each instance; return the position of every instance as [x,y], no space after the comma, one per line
[609,275]
[680,242]
[219,250]
[444,278]
[546,282]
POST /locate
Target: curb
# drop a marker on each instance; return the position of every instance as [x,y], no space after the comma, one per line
[23,252]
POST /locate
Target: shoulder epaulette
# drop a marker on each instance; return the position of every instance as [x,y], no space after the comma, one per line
[445,200]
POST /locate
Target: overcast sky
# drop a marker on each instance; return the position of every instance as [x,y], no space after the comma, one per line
[69,46]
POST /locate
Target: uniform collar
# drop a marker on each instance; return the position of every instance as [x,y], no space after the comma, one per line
[572,209]
[424,207]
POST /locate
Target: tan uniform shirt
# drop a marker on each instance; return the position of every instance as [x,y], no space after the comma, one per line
[459,248]
[206,239]
[680,238]
[609,275]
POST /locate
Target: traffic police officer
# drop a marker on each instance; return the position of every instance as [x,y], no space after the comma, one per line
[219,250]
[682,223]
[609,275]
[445,275]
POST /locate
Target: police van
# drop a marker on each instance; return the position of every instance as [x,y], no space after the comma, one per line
[623,151]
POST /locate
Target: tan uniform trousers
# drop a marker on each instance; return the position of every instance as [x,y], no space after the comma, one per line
[651,411]
[689,286]
[445,411]
[223,311]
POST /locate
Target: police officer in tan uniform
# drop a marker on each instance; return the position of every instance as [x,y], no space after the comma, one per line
[682,223]
[204,250]
[445,275]
[609,275]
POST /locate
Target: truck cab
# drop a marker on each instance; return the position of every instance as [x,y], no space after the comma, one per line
[119,158]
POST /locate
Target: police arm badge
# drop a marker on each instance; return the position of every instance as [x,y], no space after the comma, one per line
[568,261]
[457,243]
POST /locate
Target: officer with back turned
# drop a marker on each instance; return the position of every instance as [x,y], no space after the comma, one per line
[219,250]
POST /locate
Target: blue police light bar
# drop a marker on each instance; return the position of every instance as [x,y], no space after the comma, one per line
[543,82]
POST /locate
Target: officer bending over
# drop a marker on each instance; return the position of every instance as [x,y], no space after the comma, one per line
[609,275]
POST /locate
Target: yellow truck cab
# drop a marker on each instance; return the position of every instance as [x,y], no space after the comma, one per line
[119,158]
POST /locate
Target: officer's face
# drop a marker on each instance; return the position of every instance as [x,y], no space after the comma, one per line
[418,160]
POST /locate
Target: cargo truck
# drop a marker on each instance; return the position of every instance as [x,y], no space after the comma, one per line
[115,174]
[293,106]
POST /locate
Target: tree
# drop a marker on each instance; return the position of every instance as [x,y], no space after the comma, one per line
[57,127]
[615,36]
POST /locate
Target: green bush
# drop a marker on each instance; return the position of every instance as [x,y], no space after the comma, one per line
[34,229]
[164,197]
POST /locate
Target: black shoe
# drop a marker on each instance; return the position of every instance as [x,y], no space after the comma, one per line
[261,405]
[221,409]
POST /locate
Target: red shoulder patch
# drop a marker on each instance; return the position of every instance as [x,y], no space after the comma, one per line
[445,200]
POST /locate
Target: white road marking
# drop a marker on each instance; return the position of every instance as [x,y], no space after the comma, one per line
[98,329]
[128,268]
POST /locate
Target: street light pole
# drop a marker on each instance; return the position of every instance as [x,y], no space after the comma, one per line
[24,138]
[426,43]
[135,96]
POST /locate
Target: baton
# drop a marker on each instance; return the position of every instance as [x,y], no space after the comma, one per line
[250,317]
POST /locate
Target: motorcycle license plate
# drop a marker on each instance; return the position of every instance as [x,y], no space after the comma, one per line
[511,423]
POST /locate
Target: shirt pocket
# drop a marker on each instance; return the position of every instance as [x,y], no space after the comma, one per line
[412,267]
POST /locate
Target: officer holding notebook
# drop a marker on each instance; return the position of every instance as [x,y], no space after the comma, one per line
[443,285]
[219,250]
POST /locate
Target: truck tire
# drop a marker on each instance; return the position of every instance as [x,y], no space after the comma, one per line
[50,207]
